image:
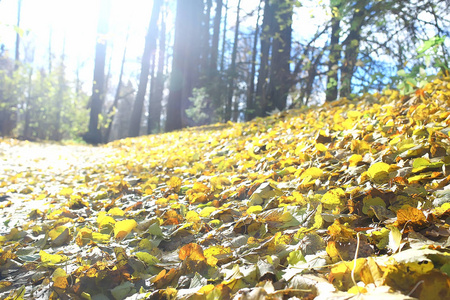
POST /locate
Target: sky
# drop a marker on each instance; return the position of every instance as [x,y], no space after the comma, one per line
[75,21]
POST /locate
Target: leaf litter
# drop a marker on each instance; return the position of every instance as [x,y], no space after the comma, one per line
[350,199]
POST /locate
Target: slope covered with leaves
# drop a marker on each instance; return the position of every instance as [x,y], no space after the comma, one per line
[278,208]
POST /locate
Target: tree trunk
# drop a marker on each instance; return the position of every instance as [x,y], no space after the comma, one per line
[186,59]
[94,136]
[118,90]
[149,49]
[351,51]
[312,74]
[206,49]
[250,109]
[280,74]
[261,86]
[232,70]
[156,96]
[224,39]
[333,58]
[215,37]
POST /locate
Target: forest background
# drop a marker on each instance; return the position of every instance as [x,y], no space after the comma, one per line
[199,62]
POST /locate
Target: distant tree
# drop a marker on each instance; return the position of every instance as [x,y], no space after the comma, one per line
[117,95]
[215,38]
[206,42]
[351,46]
[334,52]
[250,109]
[232,70]
[224,39]
[280,75]
[157,87]
[263,73]
[149,50]
[186,60]
[94,135]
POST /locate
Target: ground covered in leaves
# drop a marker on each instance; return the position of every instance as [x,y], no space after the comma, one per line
[345,200]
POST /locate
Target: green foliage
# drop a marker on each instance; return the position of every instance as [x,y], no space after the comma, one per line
[432,45]
[417,77]
[40,105]
[199,101]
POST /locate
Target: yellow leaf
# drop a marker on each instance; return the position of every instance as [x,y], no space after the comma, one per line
[342,272]
[379,172]
[200,187]
[192,217]
[175,183]
[205,289]
[54,233]
[192,251]
[147,258]
[254,209]
[334,198]
[213,252]
[59,278]
[313,172]
[59,236]
[100,237]
[59,272]
[115,211]
[123,228]
[207,211]
[357,290]
[67,191]
[354,114]
[107,220]
[332,250]
[321,147]
[354,160]
[318,219]
[340,232]
[84,236]
[52,258]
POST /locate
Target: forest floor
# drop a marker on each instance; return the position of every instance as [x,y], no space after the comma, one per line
[347,200]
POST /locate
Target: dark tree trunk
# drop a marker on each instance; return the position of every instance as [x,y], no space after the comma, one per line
[156,96]
[250,109]
[261,86]
[149,50]
[118,90]
[351,51]
[94,136]
[185,63]
[280,74]
[206,49]
[151,120]
[333,59]
[215,37]
[312,74]
[232,70]
[224,39]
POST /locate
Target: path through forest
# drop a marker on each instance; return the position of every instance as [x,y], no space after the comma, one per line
[30,169]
